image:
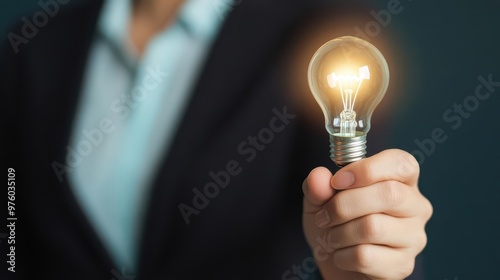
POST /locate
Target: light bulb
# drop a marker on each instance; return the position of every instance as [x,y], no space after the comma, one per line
[348,78]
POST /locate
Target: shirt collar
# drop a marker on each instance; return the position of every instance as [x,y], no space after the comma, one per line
[113,28]
[203,17]
[200,18]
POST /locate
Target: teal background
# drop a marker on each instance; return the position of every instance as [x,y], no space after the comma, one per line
[449,44]
[12,11]
[445,46]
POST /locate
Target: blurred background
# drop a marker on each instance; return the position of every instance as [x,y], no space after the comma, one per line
[444,49]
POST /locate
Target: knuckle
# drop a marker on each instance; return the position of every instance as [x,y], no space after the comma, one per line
[340,207]
[373,228]
[421,242]
[411,161]
[407,164]
[428,209]
[364,257]
[368,172]
[406,269]
[393,194]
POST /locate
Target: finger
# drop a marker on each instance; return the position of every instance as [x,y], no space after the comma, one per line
[375,261]
[387,165]
[317,189]
[379,229]
[389,197]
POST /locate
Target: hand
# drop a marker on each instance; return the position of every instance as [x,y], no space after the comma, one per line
[374,227]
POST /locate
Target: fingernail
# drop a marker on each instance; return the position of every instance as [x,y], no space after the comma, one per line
[322,218]
[343,180]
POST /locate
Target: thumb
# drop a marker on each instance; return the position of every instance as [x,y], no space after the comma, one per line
[317,189]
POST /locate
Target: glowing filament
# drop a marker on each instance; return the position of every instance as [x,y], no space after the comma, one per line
[346,84]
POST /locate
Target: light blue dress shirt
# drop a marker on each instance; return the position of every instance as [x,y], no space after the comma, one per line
[128,114]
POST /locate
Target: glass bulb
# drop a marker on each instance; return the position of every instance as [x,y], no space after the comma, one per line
[348,77]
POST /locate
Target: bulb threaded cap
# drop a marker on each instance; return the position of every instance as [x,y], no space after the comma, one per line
[344,150]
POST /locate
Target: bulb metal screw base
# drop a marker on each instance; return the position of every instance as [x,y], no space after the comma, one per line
[345,150]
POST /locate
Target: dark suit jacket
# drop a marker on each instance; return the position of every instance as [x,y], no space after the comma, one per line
[250,230]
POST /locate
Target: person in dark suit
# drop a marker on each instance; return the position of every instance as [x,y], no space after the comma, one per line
[161,140]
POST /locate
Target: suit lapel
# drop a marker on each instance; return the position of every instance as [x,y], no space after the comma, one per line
[61,58]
